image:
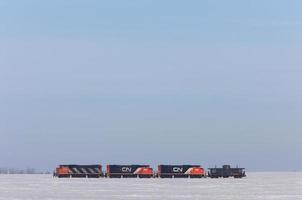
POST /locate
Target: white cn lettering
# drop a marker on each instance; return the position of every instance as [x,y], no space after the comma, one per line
[177,169]
[126,169]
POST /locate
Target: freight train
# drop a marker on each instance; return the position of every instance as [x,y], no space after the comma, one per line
[145,171]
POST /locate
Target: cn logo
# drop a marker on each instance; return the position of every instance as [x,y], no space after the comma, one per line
[126,169]
[177,169]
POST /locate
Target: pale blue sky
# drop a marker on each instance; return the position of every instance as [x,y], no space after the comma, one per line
[142,81]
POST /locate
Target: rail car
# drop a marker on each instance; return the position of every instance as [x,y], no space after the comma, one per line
[79,171]
[180,171]
[226,171]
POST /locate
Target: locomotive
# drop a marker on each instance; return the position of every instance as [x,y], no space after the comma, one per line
[180,171]
[80,171]
[129,171]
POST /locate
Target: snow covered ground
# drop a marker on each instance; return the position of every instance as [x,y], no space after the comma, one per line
[273,185]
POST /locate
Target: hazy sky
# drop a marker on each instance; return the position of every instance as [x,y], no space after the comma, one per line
[149,81]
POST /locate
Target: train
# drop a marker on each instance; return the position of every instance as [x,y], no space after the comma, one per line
[145,171]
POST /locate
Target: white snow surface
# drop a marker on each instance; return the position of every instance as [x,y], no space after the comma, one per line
[260,185]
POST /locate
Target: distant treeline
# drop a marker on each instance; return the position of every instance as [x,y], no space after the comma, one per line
[21,171]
